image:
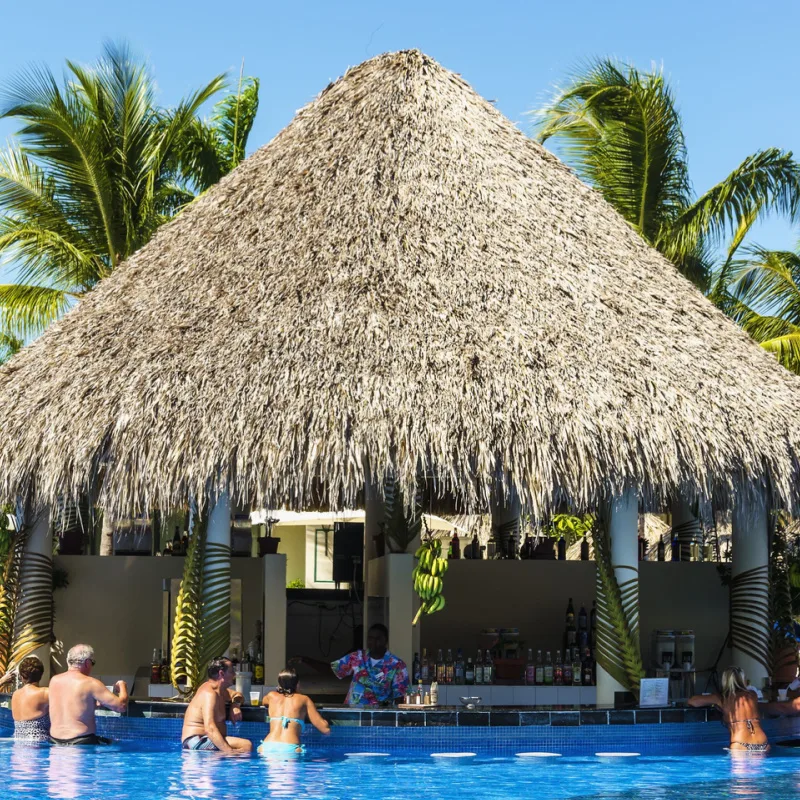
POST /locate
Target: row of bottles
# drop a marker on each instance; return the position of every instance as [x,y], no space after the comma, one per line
[458,671]
[575,669]
[159,668]
[679,551]
[252,662]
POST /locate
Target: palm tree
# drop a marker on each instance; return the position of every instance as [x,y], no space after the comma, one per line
[89,180]
[9,345]
[621,131]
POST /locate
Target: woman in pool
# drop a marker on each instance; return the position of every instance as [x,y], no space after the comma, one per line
[739,707]
[288,712]
[30,706]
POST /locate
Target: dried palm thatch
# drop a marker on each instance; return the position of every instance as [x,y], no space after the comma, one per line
[400,279]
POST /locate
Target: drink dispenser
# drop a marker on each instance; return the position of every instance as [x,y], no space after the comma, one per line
[684,649]
[664,655]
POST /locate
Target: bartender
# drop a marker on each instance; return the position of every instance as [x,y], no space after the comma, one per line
[377,677]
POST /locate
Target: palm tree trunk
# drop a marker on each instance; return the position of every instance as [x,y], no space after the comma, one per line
[107,535]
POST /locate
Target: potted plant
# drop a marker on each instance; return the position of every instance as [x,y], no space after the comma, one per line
[268,544]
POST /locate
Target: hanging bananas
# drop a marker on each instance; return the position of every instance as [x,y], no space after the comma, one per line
[427,574]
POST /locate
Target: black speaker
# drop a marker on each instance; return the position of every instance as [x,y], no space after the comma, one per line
[348,552]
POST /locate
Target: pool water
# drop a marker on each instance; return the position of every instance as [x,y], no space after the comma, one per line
[129,771]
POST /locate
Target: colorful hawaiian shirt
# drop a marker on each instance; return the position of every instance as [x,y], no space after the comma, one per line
[371,684]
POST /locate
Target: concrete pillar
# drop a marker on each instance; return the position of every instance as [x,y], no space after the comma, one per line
[274,616]
[686,526]
[33,622]
[623,528]
[400,591]
[505,511]
[750,627]
[217,575]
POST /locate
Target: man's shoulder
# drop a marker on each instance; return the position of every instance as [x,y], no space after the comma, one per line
[395,661]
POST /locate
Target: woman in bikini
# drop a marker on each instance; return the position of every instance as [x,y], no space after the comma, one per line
[740,713]
[288,712]
[30,705]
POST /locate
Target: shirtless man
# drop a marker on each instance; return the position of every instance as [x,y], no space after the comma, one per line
[204,722]
[75,694]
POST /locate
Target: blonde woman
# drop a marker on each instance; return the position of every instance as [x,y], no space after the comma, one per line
[739,706]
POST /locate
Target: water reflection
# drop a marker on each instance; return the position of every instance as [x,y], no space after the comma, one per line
[197,775]
[25,767]
[64,772]
[747,772]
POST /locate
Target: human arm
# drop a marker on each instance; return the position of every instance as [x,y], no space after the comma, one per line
[782,709]
[209,708]
[345,666]
[8,677]
[323,667]
[701,700]
[315,718]
[109,700]
[237,701]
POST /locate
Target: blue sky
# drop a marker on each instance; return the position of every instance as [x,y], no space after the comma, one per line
[733,67]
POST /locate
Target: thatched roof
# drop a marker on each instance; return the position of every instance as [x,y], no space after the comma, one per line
[400,276]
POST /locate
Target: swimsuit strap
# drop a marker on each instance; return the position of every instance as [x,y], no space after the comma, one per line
[286,720]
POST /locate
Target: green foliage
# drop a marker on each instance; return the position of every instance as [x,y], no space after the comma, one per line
[9,594]
[571,526]
[89,178]
[621,131]
[783,647]
[297,583]
[9,346]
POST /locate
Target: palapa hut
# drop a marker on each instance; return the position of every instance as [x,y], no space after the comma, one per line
[400,280]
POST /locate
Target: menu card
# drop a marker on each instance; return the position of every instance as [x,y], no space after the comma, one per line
[653,692]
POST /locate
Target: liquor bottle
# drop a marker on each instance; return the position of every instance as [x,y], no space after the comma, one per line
[176,542]
[562,549]
[530,670]
[570,616]
[539,679]
[424,671]
[584,549]
[548,669]
[587,678]
[576,667]
[460,669]
[155,667]
[476,548]
[642,548]
[479,669]
[660,549]
[449,668]
[469,673]
[164,669]
[593,624]
[440,668]
[558,670]
[416,670]
[676,549]
[583,619]
[455,547]
[566,671]
[488,668]
[258,669]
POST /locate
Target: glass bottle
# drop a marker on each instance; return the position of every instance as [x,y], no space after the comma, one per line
[469,673]
[593,624]
[155,667]
[676,549]
[440,668]
[164,669]
[584,549]
[548,669]
[479,669]
[539,679]
[455,547]
[258,669]
[530,670]
[449,668]
[424,669]
[459,673]
[488,668]
[570,615]
[566,669]
[660,549]
[576,667]
[562,549]
[558,670]
[642,548]
[417,668]
[588,671]
[475,551]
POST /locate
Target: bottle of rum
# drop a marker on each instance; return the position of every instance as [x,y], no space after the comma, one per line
[258,669]
[530,670]
[440,668]
[566,670]
[558,670]
[455,547]
[584,549]
[479,669]
[548,669]
[587,676]
[576,667]
[469,673]
[416,670]
[488,668]
[460,669]
[449,668]
[660,549]
[164,669]
[424,670]
[539,669]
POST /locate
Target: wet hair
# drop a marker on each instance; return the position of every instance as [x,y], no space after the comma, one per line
[380,628]
[78,654]
[30,670]
[218,666]
[733,681]
[287,682]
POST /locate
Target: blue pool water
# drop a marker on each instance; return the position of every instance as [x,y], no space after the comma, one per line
[131,771]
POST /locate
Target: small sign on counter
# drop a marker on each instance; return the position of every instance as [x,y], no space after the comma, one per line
[653,692]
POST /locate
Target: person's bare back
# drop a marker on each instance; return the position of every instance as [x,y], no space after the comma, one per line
[75,694]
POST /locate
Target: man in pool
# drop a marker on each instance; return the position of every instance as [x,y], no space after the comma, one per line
[378,677]
[204,722]
[75,694]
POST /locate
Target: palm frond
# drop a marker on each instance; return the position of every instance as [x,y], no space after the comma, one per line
[28,310]
[9,595]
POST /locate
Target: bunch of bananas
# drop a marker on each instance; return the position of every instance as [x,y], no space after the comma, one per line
[427,574]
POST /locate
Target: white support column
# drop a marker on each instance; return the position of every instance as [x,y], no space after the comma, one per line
[34,616]
[217,572]
[623,527]
[400,591]
[274,616]
[505,511]
[750,627]
[686,526]
[374,515]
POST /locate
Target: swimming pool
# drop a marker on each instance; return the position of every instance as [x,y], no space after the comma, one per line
[137,772]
